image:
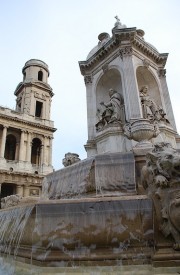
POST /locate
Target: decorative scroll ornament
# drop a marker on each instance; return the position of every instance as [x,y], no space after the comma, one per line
[161,178]
[146,63]
[105,67]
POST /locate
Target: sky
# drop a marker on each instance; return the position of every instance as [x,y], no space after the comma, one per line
[61,33]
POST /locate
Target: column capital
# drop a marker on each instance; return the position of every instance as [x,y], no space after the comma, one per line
[51,138]
[23,131]
[126,51]
[5,126]
[46,136]
[88,79]
[162,72]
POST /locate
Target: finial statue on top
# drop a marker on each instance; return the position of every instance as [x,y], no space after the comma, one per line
[118,24]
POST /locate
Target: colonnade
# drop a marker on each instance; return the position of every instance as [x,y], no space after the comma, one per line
[24,146]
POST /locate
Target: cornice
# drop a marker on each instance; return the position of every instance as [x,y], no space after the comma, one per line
[148,50]
[98,56]
[36,84]
[125,40]
[25,174]
[107,132]
[25,122]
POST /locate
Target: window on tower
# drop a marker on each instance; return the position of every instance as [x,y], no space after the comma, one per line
[40,76]
[24,76]
[38,111]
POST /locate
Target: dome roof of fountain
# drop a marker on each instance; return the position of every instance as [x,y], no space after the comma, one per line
[141,34]
[103,37]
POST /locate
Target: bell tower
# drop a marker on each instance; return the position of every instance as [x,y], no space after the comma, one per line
[128,103]
[26,134]
[34,93]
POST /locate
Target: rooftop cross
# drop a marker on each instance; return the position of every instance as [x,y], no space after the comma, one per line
[117,18]
[118,23]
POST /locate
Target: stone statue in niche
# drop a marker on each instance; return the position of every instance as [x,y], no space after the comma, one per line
[161,178]
[150,109]
[110,112]
[70,158]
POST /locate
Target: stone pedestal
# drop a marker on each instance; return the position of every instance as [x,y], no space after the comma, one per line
[112,139]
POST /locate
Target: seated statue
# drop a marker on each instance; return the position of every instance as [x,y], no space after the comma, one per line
[110,112]
[150,109]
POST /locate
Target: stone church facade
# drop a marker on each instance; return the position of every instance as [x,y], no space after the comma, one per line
[26,134]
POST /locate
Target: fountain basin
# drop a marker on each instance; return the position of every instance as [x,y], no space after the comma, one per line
[86,231]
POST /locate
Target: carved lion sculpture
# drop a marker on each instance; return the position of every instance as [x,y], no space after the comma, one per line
[161,177]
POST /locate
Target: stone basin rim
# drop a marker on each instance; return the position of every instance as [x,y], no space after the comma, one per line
[78,200]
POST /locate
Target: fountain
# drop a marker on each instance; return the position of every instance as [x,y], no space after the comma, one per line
[116,212]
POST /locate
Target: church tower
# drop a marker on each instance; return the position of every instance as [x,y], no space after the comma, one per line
[128,103]
[26,134]
[34,93]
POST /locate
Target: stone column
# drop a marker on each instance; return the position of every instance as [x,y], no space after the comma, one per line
[167,100]
[26,191]
[17,151]
[45,151]
[3,141]
[50,151]
[90,98]
[21,149]
[131,94]
[19,190]
[29,147]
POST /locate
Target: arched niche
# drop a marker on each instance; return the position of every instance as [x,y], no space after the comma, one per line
[36,151]
[110,79]
[145,77]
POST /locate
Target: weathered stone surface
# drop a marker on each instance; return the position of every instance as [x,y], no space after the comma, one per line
[161,177]
[84,230]
[107,174]
[10,201]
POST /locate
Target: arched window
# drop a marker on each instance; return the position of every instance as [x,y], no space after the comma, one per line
[40,76]
[10,148]
[36,151]
[24,76]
